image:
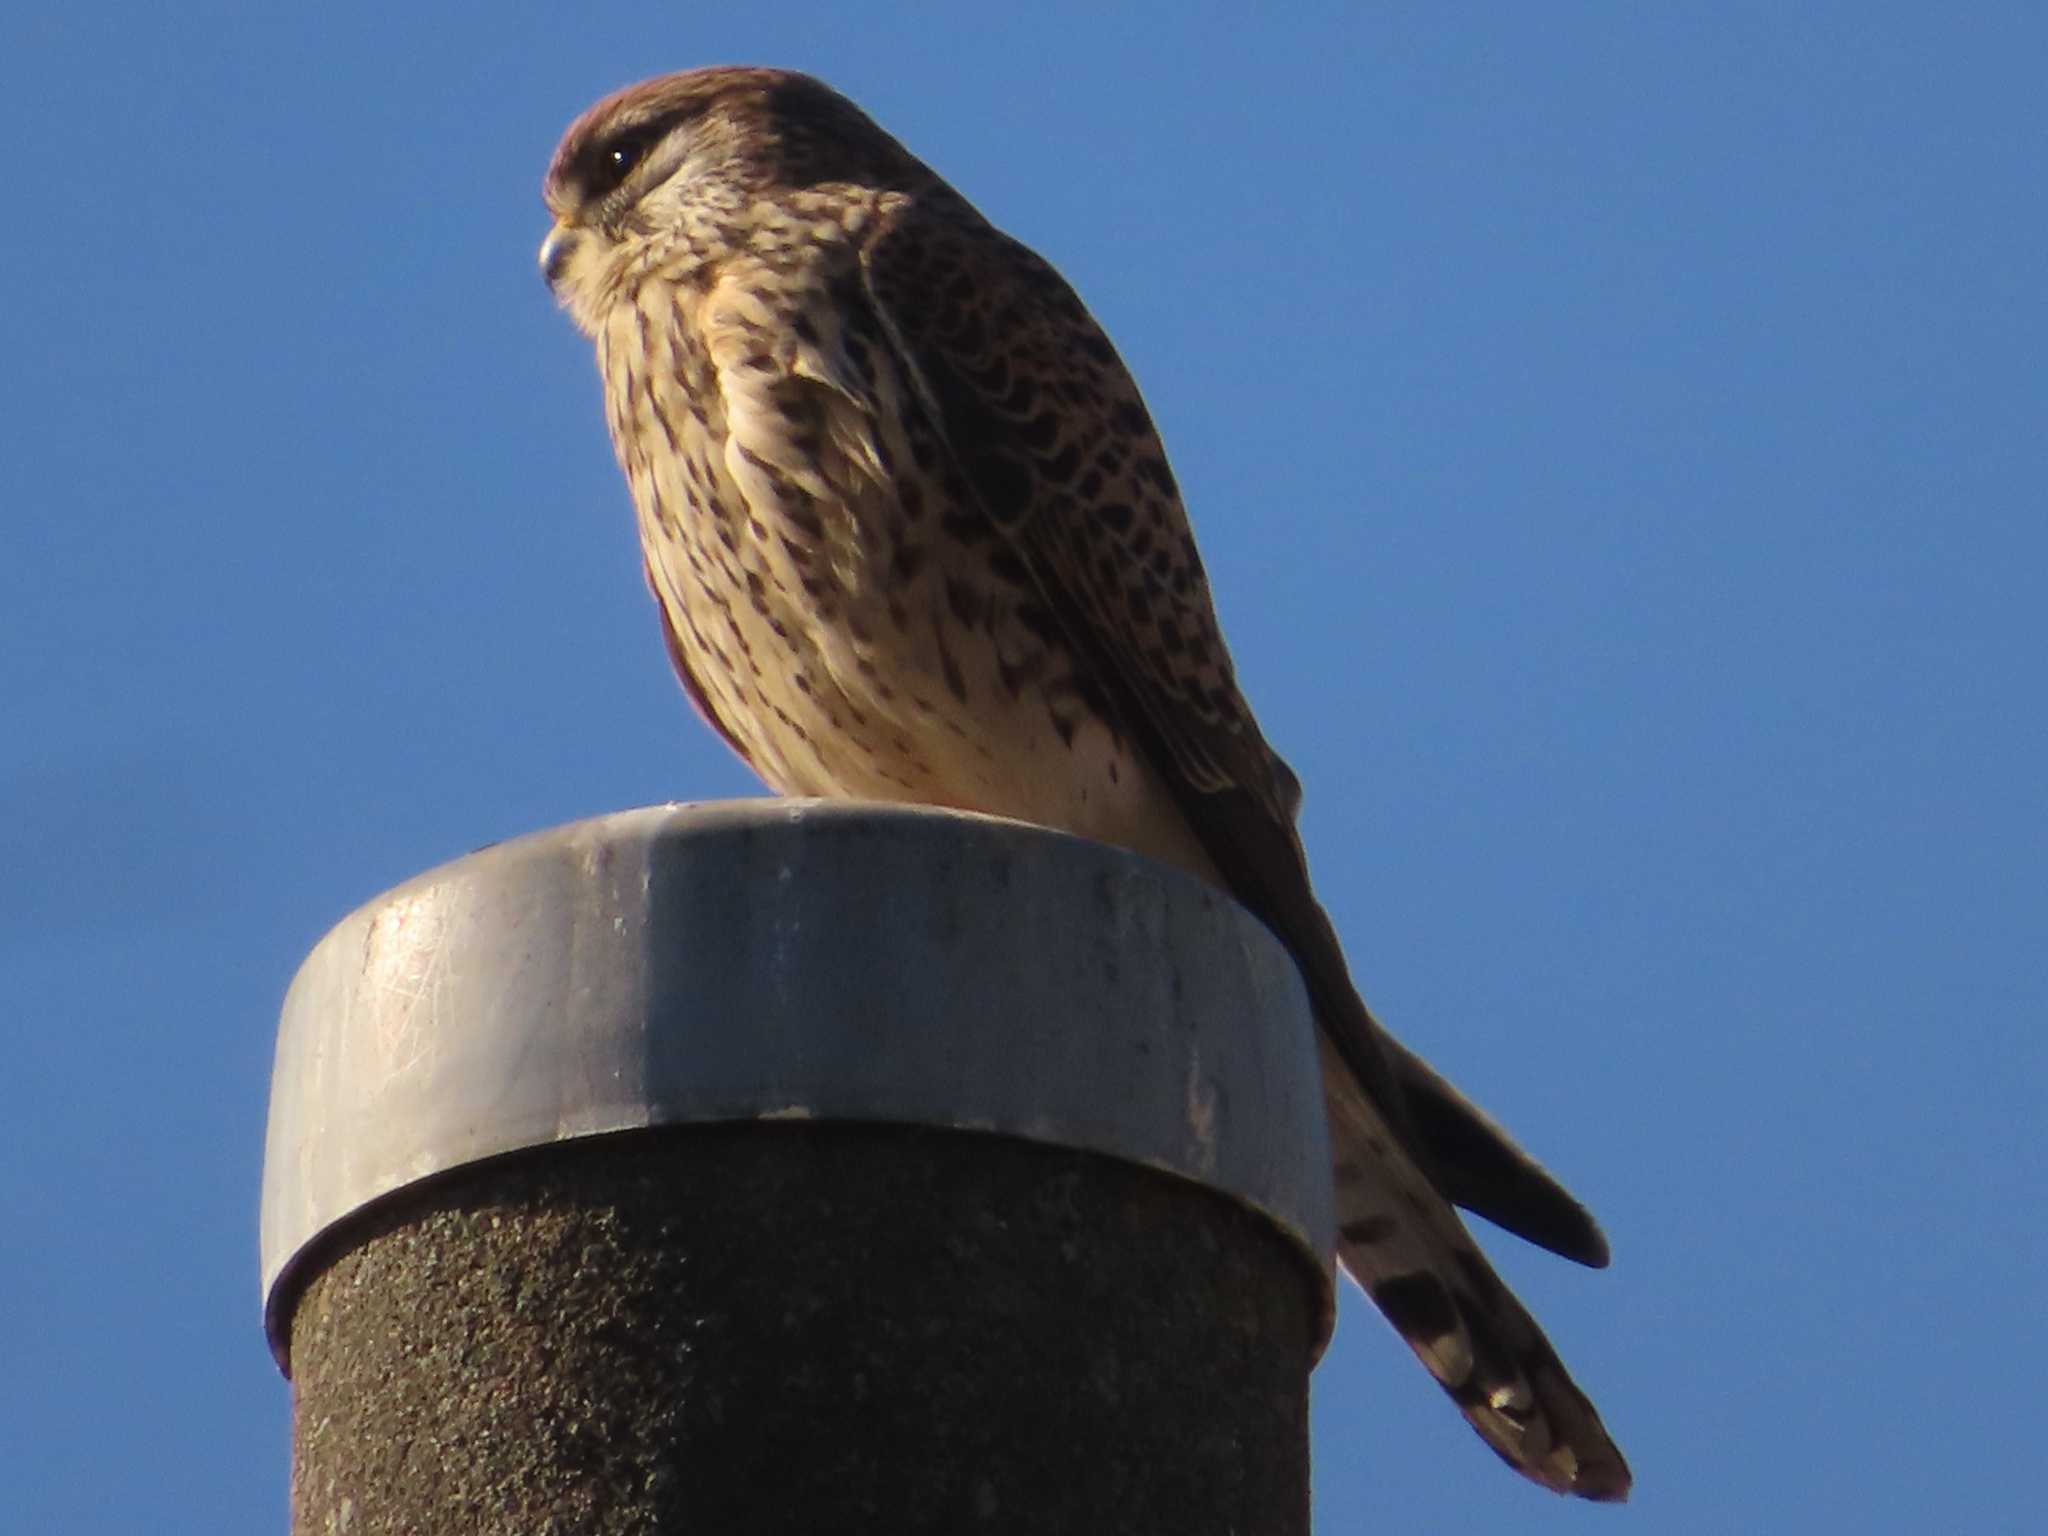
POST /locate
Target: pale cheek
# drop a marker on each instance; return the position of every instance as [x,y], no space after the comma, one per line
[588,284]
[573,292]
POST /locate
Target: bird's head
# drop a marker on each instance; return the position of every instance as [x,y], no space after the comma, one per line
[662,174]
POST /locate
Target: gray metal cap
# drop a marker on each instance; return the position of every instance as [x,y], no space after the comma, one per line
[792,959]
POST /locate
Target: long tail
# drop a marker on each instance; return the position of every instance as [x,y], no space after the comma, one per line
[1401,1240]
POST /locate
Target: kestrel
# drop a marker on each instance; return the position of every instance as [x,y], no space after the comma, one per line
[913,537]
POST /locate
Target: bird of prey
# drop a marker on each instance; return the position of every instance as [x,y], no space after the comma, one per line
[912,537]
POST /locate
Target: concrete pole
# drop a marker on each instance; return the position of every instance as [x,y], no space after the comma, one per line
[797,1167]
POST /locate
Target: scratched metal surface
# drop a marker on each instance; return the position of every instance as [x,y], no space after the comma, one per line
[777,958]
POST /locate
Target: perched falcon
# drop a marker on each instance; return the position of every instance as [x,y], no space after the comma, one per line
[913,537]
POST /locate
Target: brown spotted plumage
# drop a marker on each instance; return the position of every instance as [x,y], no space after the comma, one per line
[912,536]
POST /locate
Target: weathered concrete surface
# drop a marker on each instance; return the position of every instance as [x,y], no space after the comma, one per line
[805,1328]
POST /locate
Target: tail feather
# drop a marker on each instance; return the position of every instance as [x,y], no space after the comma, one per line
[1400,1239]
[1479,1166]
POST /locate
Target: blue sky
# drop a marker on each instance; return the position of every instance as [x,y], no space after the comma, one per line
[1617,435]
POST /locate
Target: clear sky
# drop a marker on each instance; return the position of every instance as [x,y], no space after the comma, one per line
[1617,434]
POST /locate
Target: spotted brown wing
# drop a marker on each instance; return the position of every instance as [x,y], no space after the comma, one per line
[1062,457]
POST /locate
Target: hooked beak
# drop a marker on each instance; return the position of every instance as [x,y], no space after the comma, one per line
[555,252]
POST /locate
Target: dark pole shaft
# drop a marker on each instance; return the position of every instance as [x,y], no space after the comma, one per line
[807,1328]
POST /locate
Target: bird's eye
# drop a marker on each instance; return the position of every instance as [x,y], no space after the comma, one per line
[617,156]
